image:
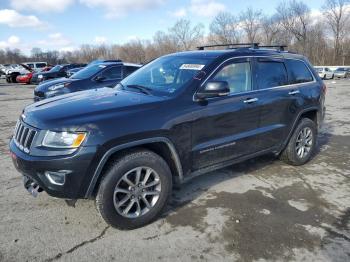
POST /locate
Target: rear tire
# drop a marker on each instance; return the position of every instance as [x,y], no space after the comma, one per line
[302,143]
[126,183]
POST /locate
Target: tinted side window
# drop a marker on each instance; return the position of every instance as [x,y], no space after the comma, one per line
[129,69]
[237,75]
[271,74]
[298,72]
[114,72]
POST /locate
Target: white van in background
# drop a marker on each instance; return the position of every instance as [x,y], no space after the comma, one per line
[36,66]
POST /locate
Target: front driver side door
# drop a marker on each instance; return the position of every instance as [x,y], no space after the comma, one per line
[225,127]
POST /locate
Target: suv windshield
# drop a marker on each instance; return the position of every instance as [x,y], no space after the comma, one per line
[167,74]
[88,71]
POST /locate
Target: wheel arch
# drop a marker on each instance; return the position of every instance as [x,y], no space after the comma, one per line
[159,145]
[311,113]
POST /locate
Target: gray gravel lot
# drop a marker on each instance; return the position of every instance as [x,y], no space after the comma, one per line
[261,209]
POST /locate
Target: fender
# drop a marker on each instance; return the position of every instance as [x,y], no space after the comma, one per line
[117,148]
[295,123]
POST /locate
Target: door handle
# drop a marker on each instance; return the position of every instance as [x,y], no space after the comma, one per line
[294,92]
[250,100]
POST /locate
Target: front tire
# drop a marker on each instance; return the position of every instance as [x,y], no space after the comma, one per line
[302,143]
[134,190]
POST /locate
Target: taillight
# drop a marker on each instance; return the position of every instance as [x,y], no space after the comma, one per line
[324,88]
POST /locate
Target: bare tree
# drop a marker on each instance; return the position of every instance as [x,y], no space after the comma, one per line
[295,18]
[164,43]
[250,21]
[337,16]
[185,35]
[293,25]
[223,29]
[270,29]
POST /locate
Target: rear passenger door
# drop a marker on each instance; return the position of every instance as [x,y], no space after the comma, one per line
[278,102]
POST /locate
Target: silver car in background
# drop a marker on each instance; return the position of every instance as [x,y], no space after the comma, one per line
[342,72]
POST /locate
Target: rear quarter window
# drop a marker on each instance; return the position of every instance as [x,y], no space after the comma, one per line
[298,72]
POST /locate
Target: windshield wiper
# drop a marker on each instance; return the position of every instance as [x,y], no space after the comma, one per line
[143,89]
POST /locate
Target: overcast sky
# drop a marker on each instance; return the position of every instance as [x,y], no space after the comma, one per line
[66,24]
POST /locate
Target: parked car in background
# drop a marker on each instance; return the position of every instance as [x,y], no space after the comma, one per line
[179,116]
[325,72]
[72,71]
[26,78]
[91,77]
[3,68]
[56,72]
[341,72]
[36,66]
[13,71]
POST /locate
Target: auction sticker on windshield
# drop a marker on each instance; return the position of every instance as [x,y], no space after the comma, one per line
[192,67]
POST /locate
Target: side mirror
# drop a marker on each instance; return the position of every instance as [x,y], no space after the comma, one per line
[213,89]
[99,78]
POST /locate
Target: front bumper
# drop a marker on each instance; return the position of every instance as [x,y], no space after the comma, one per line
[78,165]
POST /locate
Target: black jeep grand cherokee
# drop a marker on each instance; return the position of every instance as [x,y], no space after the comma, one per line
[179,116]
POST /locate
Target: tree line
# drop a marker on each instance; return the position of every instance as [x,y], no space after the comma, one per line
[324,36]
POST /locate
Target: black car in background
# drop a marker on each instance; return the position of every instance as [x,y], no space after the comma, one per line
[93,76]
[56,72]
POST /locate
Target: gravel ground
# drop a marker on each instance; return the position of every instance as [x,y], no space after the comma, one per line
[261,209]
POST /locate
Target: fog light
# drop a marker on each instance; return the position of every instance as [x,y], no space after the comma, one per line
[57,178]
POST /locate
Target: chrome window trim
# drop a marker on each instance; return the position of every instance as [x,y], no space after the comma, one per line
[256,90]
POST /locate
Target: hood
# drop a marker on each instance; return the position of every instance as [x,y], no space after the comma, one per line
[74,110]
[43,86]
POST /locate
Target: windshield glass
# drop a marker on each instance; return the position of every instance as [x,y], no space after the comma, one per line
[319,69]
[88,71]
[341,69]
[56,68]
[167,74]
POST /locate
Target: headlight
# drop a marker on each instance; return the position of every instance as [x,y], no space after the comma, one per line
[58,86]
[63,139]
[40,76]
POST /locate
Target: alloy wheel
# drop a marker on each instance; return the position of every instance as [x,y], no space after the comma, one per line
[304,142]
[137,192]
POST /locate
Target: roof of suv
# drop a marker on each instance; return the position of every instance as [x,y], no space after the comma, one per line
[240,52]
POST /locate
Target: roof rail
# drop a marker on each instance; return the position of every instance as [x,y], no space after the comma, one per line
[245,45]
[278,47]
[229,46]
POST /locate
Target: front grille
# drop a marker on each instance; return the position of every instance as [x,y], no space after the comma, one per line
[24,136]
